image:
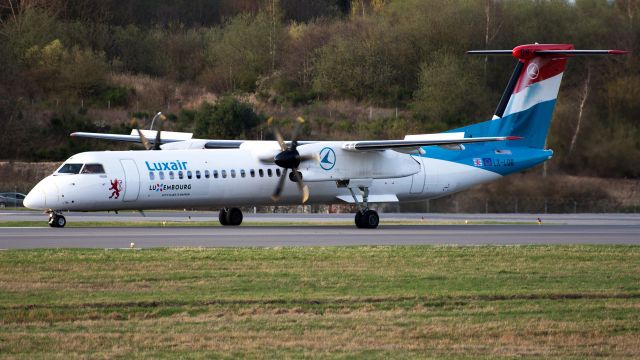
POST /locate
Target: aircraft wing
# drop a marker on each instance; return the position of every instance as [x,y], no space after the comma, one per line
[167,136]
[411,143]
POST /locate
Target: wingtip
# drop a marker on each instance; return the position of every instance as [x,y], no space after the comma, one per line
[619,52]
[512,137]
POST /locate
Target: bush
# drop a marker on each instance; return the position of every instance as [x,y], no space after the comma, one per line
[116,95]
[227,119]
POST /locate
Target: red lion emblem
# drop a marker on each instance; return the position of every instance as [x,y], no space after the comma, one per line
[116,186]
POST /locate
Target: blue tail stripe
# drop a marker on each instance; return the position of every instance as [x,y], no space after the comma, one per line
[504,157]
[531,124]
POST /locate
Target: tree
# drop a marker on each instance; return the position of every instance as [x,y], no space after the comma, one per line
[227,119]
[71,72]
[450,93]
[245,51]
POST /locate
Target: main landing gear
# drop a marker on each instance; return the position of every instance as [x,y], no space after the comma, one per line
[230,216]
[365,217]
[57,220]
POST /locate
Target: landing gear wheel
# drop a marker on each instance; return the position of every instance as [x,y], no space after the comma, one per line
[222,217]
[234,217]
[368,219]
[56,220]
[359,219]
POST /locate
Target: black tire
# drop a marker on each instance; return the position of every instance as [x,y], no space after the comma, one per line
[60,221]
[57,221]
[367,220]
[222,217]
[358,219]
[234,217]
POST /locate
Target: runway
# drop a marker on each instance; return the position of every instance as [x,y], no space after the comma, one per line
[575,229]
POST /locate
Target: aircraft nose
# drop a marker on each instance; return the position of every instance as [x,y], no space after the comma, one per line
[35,199]
[43,196]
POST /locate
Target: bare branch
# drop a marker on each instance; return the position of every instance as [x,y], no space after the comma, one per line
[585,94]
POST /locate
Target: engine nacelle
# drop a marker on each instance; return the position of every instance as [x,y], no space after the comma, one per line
[335,163]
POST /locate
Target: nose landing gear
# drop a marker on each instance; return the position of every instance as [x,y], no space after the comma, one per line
[231,216]
[57,220]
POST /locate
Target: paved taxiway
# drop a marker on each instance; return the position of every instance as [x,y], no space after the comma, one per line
[556,229]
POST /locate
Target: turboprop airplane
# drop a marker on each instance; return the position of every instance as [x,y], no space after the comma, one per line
[189,172]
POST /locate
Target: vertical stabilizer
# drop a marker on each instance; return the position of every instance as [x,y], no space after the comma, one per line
[527,104]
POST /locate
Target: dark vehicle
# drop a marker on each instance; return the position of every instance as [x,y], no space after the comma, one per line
[13,199]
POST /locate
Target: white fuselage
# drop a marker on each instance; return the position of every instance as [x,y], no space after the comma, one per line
[236,177]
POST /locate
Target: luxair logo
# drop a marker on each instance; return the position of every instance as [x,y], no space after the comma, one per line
[327,158]
[533,71]
[169,165]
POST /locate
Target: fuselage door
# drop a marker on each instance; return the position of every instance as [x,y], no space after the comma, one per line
[131,180]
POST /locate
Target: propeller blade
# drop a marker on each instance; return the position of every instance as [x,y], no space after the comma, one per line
[304,189]
[278,190]
[143,140]
[296,130]
[156,144]
[315,157]
[277,134]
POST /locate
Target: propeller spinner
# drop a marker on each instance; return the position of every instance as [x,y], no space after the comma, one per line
[290,158]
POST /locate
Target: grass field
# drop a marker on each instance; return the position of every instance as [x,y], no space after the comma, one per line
[337,302]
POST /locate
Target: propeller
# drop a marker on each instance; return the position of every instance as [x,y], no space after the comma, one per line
[290,158]
[157,141]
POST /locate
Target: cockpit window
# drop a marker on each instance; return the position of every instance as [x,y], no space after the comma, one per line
[93,169]
[70,169]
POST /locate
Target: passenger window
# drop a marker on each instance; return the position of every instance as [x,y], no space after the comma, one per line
[215,174]
[233,173]
[151,175]
[252,172]
[278,172]
[189,175]
[180,175]
[197,174]
[161,175]
[269,172]
[170,175]
[224,174]
[70,169]
[242,173]
[93,169]
[206,174]
[261,172]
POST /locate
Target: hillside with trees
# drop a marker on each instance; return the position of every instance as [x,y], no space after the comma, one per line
[365,69]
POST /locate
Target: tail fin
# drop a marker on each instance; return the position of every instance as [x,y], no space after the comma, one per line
[527,104]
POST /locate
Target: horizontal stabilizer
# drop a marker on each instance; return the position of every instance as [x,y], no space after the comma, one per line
[530,51]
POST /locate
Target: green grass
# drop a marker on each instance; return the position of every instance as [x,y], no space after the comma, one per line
[335,302]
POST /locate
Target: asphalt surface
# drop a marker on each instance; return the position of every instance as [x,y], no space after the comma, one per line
[556,229]
[194,216]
